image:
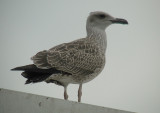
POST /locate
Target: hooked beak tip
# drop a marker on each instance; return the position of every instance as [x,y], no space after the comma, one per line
[119,21]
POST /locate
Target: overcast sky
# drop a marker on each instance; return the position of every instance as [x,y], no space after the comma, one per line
[131,78]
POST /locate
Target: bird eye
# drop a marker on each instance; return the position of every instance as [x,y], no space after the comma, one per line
[101,16]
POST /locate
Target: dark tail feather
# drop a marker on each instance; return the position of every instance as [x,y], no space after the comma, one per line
[33,77]
[34,74]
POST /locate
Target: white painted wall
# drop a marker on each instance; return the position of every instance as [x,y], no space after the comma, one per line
[18,102]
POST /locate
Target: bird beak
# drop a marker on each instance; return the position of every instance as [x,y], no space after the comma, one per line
[119,21]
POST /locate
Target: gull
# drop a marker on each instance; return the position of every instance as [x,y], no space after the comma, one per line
[76,62]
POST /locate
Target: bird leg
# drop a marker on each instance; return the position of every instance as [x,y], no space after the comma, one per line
[79,93]
[65,93]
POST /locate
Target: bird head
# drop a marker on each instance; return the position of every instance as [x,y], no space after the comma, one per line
[102,20]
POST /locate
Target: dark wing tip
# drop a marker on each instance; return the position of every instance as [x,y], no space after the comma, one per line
[14,69]
[17,69]
[23,68]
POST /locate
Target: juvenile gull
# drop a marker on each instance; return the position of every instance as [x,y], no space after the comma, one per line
[76,62]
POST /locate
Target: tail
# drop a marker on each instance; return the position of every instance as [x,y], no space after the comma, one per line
[34,74]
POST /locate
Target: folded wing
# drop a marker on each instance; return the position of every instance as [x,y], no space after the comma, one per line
[79,57]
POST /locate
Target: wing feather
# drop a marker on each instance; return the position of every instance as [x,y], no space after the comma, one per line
[76,57]
[40,60]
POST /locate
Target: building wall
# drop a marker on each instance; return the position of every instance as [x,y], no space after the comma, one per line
[19,102]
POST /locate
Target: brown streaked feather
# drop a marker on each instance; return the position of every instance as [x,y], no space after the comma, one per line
[40,60]
[78,57]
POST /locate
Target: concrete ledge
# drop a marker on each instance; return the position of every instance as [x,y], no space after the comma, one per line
[19,102]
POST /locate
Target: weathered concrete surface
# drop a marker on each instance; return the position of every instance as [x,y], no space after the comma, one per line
[18,102]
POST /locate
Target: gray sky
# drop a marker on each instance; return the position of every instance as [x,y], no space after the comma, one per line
[131,78]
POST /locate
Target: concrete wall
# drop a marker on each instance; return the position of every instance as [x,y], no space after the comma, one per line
[18,102]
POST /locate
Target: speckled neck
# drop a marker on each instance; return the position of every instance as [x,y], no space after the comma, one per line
[98,36]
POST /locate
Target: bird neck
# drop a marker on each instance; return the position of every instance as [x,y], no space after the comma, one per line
[98,36]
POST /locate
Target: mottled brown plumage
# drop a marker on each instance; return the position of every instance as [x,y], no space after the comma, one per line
[75,62]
